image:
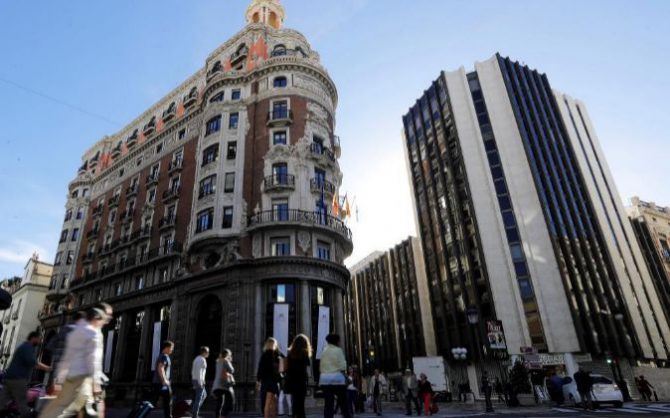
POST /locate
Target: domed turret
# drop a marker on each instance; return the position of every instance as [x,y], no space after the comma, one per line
[267,12]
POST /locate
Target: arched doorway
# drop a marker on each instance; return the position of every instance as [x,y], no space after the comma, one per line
[208,330]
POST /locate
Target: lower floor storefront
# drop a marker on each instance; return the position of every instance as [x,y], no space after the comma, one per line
[236,308]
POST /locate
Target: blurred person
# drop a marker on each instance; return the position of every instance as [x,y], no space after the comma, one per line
[224,382]
[268,377]
[333,366]
[297,365]
[161,380]
[198,372]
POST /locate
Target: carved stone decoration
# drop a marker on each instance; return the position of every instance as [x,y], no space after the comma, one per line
[230,253]
[244,214]
[304,241]
[256,245]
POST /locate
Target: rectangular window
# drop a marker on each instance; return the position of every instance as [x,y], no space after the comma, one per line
[281,246]
[323,250]
[119,289]
[68,215]
[59,256]
[234,120]
[182,134]
[75,234]
[155,171]
[320,176]
[280,209]
[151,195]
[231,153]
[213,125]
[205,220]
[317,145]
[236,94]
[63,235]
[229,184]
[163,275]
[280,173]
[112,217]
[279,138]
[210,154]
[227,217]
[80,213]
[517,252]
[70,257]
[207,186]
[280,110]
[139,282]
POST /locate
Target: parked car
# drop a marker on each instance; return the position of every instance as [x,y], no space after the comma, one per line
[604,391]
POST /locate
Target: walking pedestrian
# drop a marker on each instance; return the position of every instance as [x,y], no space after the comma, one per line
[487,389]
[425,393]
[376,388]
[224,382]
[584,387]
[18,373]
[268,377]
[161,380]
[352,390]
[198,373]
[297,365]
[80,369]
[57,344]
[99,399]
[498,387]
[410,386]
[645,388]
[332,380]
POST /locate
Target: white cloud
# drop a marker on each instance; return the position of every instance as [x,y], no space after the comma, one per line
[18,252]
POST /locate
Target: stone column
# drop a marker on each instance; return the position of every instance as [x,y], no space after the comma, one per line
[305,310]
[339,314]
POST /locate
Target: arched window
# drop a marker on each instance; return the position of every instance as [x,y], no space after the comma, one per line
[216,67]
[218,97]
[280,82]
[299,51]
[279,50]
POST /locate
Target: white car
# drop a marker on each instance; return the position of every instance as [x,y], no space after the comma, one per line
[604,391]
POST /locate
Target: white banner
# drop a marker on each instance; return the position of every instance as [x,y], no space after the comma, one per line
[156,347]
[280,326]
[108,351]
[323,330]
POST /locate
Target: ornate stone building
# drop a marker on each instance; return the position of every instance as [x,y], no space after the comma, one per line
[209,221]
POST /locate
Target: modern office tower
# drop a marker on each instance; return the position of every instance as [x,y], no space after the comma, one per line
[385,327]
[209,222]
[651,224]
[521,222]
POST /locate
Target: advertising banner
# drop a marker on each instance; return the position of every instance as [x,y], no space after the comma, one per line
[280,326]
[323,330]
[496,335]
[108,352]
[156,345]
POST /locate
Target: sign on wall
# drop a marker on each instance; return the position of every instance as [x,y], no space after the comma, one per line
[323,330]
[496,335]
[280,326]
[156,345]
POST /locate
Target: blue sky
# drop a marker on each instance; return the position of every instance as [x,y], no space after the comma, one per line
[116,58]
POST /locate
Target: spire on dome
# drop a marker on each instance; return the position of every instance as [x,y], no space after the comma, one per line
[267,12]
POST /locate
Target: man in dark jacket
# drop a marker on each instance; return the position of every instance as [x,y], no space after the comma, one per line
[584,387]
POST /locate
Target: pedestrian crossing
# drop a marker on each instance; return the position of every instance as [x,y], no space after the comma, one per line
[632,409]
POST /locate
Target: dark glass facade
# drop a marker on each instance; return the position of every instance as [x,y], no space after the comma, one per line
[456,275]
[598,308]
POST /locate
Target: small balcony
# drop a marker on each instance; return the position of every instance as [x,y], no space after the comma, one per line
[127,215]
[279,182]
[317,185]
[170,113]
[280,117]
[116,152]
[175,165]
[192,97]
[98,210]
[281,218]
[171,194]
[216,70]
[56,294]
[113,201]
[150,127]
[88,257]
[132,190]
[92,234]
[167,222]
[131,141]
[319,151]
[152,178]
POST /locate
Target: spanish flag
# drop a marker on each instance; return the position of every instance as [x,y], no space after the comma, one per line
[346,209]
[335,209]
